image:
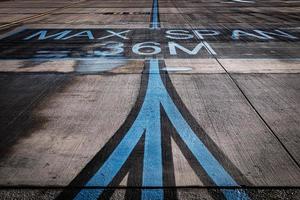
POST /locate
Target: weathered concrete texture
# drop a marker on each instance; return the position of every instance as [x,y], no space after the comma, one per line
[93,19]
[37,66]
[111,66]
[193,66]
[255,194]
[219,107]
[100,13]
[228,13]
[182,194]
[256,50]
[276,97]
[71,65]
[29,194]
[4,18]
[105,10]
[65,130]
[15,10]
[12,10]
[172,13]
[261,65]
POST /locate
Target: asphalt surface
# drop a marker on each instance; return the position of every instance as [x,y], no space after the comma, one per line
[150,99]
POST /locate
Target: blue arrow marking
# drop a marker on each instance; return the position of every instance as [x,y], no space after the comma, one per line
[148,122]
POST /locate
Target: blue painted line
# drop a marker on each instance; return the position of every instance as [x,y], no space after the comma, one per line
[113,164]
[212,167]
[148,121]
[152,169]
[154,20]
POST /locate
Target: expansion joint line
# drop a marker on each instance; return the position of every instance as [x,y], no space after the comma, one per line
[247,99]
[254,109]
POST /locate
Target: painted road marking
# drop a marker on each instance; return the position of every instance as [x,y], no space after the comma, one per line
[93,35]
[114,43]
[176,69]
[148,123]
[244,1]
[146,126]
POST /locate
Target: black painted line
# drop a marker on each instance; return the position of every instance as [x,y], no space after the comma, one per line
[92,167]
[167,156]
[133,166]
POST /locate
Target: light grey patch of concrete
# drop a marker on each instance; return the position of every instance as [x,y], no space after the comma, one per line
[277,99]
[221,109]
[177,69]
[261,65]
[45,65]
[8,18]
[101,65]
[128,66]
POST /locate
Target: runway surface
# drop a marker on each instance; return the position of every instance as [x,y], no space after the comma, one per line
[151,99]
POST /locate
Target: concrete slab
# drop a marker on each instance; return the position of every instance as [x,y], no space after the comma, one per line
[72,65]
[277,99]
[261,65]
[18,97]
[54,145]
[228,13]
[105,10]
[226,117]
[37,66]
[92,19]
[64,130]
[5,18]
[60,124]
[15,11]
[193,66]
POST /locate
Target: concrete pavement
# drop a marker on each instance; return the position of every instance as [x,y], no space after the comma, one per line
[216,81]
